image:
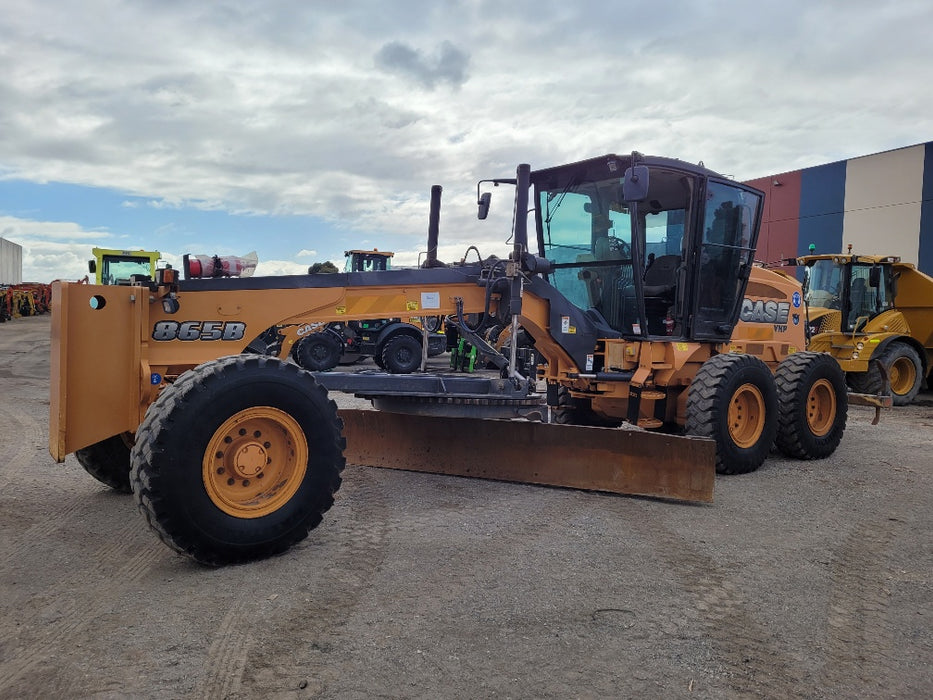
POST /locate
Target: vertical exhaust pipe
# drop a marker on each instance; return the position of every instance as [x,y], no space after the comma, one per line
[434,220]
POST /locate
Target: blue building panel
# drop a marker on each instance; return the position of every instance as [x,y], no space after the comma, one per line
[822,207]
[925,249]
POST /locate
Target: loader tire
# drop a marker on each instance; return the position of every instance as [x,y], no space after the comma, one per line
[905,372]
[401,354]
[812,405]
[238,459]
[733,400]
[318,352]
[108,461]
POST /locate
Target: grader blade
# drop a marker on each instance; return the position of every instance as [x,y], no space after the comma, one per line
[594,459]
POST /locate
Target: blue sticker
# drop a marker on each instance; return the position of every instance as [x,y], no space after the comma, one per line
[796,300]
[155,379]
[796,319]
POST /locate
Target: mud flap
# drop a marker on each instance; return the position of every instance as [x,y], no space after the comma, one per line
[622,461]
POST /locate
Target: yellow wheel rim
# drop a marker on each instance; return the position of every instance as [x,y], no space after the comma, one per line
[255,462]
[902,374]
[821,407]
[746,416]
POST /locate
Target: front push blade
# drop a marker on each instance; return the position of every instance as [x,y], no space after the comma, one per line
[633,462]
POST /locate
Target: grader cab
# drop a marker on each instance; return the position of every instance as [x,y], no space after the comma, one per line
[666,355]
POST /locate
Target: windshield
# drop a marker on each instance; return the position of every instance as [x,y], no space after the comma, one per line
[824,285]
[117,270]
[590,238]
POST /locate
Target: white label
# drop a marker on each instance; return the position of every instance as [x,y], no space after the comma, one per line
[636,328]
[565,324]
[589,363]
[430,300]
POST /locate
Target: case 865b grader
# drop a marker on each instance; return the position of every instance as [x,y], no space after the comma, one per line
[641,297]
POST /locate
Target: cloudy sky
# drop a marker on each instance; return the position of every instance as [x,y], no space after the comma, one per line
[299,128]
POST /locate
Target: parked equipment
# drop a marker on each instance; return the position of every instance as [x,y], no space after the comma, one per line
[394,344]
[871,310]
[642,300]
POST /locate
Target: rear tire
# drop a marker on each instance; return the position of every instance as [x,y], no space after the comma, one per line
[905,371]
[238,460]
[108,461]
[812,405]
[401,354]
[318,352]
[733,400]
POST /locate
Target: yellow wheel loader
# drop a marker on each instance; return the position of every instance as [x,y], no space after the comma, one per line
[874,314]
[667,355]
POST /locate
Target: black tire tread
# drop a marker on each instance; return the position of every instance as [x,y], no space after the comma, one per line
[794,377]
[707,410]
[108,461]
[147,478]
[392,346]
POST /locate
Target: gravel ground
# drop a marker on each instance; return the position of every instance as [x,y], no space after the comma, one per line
[801,580]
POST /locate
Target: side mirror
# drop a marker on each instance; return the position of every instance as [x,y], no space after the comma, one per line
[92,266]
[874,277]
[483,205]
[635,184]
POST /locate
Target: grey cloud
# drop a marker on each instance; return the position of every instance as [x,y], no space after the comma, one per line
[447,65]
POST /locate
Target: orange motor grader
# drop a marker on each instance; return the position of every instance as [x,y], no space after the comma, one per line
[666,355]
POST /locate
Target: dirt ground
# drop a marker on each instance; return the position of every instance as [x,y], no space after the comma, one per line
[801,580]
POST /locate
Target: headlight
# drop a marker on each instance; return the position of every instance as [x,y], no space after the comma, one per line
[855,354]
[860,345]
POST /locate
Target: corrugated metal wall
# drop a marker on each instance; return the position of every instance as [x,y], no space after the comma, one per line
[11,262]
[881,203]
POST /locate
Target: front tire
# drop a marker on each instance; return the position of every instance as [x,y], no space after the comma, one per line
[733,400]
[905,372]
[238,460]
[108,461]
[812,405]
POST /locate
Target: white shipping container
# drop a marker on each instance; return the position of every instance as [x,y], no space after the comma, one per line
[11,262]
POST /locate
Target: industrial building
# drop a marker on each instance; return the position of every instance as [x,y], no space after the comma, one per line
[878,204]
[11,262]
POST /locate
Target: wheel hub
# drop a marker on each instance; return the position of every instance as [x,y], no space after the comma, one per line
[255,462]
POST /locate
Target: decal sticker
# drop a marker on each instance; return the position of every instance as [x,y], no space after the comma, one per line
[796,319]
[796,300]
[198,330]
[565,324]
[341,310]
[430,300]
[683,347]
[411,305]
[589,363]
[636,328]
[155,379]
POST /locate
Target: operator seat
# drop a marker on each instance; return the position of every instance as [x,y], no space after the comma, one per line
[660,283]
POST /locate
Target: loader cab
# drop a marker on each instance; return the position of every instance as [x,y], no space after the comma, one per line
[858,288]
[120,266]
[673,264]
[367,260]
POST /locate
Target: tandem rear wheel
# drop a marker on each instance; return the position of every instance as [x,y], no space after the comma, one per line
[735,400]
[238,459]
